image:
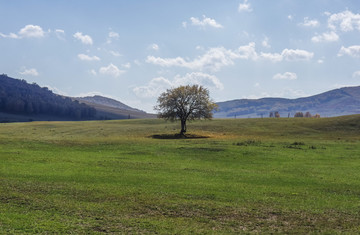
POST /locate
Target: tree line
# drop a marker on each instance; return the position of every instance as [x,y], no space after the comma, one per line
[19,97]
[276,114]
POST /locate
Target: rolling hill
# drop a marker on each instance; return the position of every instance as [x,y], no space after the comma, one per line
[22,102]
[108,108]
[338,102]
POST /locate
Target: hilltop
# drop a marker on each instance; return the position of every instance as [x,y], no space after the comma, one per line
[108,108]
[338,102]
[21,102]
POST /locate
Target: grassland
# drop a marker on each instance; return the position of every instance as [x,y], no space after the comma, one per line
[247,176]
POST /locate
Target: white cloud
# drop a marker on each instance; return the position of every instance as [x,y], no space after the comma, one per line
[154,47]
[29,72]
[207,80]
[184,24]
[356,74]
[310,23]
[158,85]
[111,70]
[88,58]
[29,31]
[214,59]
[247,52]
[296,55]
[274,57]
[285,76]
[290,17]
[288,55]
[155,87]
[245,6]
[326,37]
[10,35]
[205,22]
[85,39]
[320,61]
[345,21]
[353,51]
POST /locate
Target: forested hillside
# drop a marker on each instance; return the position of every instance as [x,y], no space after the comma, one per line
[21,98]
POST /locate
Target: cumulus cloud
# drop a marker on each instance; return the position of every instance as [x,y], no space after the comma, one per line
[326,37]
[205,22]
[353,51]
[247,52]
[285,76]
[296,55]
[29,72]
[154,88]
[274,57]
[207,80]
[158,85]
[356,74]
[344,21]
[29,31]
[88,58]
[85,39]
[309,23]
[245,6]
[216,58]
[111,70]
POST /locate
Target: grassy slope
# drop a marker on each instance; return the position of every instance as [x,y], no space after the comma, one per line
[251,175]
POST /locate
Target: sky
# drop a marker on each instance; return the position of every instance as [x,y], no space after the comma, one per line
[133,51]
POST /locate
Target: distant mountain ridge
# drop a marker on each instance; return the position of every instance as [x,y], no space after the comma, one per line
[338,102]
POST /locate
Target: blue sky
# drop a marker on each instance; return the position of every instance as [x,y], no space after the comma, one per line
[134,50]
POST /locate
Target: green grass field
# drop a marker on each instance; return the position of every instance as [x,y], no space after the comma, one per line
[248,176]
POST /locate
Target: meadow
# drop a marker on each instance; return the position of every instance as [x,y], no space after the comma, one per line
[296,175]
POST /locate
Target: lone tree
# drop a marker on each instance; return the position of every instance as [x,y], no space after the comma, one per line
[185,103]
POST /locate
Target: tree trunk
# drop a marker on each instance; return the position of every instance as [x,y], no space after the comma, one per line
[183,127]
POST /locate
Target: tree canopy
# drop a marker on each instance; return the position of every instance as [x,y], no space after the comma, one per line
[185,103]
